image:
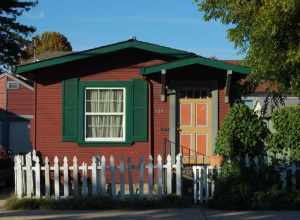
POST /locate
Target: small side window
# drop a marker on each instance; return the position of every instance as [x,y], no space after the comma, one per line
[249,103]
[12,85]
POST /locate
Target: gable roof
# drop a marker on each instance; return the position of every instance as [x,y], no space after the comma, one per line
[132,43]
[195,60]
[26,83]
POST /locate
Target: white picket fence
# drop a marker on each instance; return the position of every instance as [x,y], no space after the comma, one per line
[203,181]
[35,180]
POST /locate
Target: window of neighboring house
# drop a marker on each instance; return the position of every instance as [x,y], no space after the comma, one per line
[12,85]
[249,103]
[105,114]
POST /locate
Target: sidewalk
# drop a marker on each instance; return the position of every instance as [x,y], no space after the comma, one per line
[164,214]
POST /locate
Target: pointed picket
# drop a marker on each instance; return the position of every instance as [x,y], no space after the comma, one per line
[75,176]
[159,175]
[103,175]
[178,174]
[94,176]
[150,175]
[19,176]
[113,177]
[47,177]
[130,183]
[56,177]
[37,178]
[29,175]
[169,174]
[66,177]
[84,179]
[141,183]
[122,177]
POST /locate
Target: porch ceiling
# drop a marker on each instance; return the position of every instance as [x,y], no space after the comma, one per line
[195,60]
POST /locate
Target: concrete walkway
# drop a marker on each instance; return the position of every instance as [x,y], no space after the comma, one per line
[164,214]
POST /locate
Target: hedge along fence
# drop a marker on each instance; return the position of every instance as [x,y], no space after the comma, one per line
[36,180]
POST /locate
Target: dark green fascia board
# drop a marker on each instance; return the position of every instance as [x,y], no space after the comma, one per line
[167,51]
[195,60]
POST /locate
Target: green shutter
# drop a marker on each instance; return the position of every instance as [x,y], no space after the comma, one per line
[70,109]
[140,110]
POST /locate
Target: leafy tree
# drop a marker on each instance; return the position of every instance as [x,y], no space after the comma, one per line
[242,132]
[13,35]
[285,141]
[51,41]
[268,32]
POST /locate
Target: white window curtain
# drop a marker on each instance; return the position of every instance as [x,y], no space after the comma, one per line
[105,113]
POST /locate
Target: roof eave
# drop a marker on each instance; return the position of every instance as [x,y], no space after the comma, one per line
[194,61]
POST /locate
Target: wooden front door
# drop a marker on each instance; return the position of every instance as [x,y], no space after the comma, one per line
[195,124]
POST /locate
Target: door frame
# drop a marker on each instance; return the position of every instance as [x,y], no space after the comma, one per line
[174,116]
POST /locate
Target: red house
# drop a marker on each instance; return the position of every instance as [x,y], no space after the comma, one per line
[130,98]
[16,113]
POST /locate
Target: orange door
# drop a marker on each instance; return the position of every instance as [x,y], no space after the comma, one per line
[195,124]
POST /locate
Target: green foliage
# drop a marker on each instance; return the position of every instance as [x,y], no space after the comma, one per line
[14,35]
[51,41]
[236,186]
[242,132]
[286,139]
[99,203]
[267,31]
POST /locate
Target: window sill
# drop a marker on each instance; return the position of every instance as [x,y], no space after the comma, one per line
[104,144]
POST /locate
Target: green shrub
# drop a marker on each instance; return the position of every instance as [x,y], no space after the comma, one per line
[236,185]
[286,139]
[241,133]
[100,203]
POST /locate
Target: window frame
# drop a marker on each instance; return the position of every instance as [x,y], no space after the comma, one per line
[123,114]
[127,85]
[12,82]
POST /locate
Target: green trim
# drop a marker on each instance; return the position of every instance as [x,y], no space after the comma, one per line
[195,60]
[129,112]
[69,109]
[215,117]
[167,51]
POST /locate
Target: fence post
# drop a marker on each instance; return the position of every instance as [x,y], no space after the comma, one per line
[66,177]
[159,175]
[37,177]
[113,178]
[29,176]
[94,176]
[122,177]
[195,183]
[103,175]
[47,177]
[84,169]
[178,174]
[169,174]
[75,175]
[56,177]
[130,184]
[19,175]
[141,182]
[150,175]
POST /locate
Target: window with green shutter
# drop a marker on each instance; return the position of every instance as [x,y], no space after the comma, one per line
[108,112]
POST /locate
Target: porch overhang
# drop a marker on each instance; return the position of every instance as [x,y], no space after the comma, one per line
[195,61]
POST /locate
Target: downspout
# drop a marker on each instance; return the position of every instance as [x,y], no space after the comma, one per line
[35,114]
[151,117]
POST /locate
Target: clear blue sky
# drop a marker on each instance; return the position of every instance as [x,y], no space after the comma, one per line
[92,23]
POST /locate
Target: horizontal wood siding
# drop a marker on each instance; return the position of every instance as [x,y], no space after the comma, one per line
[20,101]
[3,93]
[49,118]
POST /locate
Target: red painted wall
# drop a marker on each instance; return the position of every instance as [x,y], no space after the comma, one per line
[48,115]
[20,101]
